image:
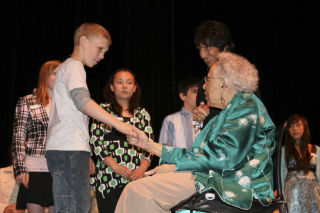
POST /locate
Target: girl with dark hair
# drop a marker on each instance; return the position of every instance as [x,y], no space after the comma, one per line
[28,143]
[301,188]
[118,162]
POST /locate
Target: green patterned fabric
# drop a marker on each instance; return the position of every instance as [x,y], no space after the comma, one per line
[232,154]
[106,141]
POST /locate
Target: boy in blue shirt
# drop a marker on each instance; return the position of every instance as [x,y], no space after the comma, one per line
[177,128]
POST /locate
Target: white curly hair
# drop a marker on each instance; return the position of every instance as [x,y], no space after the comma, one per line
[238,71]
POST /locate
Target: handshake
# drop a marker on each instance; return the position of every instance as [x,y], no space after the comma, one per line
[137,137]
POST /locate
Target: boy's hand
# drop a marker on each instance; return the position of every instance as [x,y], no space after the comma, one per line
[132,131]
[128,130]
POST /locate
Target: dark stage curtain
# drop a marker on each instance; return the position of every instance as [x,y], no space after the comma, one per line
[155,39]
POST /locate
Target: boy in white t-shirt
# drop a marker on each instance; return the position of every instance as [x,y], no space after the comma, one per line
[67,146]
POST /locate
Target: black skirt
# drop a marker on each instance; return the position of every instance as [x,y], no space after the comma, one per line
[39,191]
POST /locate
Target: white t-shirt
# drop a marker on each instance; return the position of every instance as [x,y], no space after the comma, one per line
[68,127]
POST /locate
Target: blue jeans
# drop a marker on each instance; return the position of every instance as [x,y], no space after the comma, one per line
[70,180]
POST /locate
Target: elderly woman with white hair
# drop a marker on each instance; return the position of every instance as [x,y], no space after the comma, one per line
[232,154]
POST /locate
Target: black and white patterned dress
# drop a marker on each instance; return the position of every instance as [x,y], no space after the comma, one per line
[106,141]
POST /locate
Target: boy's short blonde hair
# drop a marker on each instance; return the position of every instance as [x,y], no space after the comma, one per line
[90,29]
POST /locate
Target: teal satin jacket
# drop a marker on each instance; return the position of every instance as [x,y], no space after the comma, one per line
[232,154]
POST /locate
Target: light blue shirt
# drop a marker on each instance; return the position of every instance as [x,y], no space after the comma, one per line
[177,130]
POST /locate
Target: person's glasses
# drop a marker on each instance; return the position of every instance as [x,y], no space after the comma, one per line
[208,77]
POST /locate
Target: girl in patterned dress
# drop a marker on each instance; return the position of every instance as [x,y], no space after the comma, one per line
[118,162]
[301,188]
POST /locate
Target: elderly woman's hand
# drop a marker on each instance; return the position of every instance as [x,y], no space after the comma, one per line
[164,168]
[200,112]
[141,140]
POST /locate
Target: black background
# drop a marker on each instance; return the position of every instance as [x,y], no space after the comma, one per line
[155,39]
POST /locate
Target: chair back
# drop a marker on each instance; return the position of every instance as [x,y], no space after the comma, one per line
[199,203]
